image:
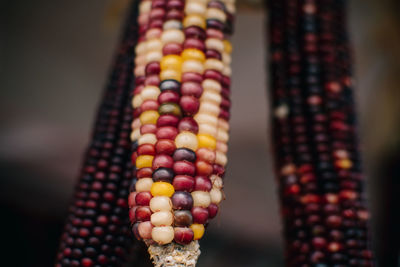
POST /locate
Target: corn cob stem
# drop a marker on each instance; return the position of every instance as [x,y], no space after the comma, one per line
[175,255]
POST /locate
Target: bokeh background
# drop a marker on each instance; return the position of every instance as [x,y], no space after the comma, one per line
[54,61]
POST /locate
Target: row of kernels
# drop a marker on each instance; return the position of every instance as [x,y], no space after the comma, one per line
[162,233]
[145,101]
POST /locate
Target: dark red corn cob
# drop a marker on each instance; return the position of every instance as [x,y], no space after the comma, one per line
[97,228]
[316,146]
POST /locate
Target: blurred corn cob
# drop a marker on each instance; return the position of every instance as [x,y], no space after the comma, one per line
[180,131]
[316,146]
[97,228]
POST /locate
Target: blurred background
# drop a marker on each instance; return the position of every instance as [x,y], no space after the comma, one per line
[54,61]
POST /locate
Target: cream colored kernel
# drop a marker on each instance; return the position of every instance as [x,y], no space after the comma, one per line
[145,7]
[223,124]
[140,70]
[140,48]
[163,234]
[211,96]
[162,218]
[209,108]
[143,184]
[227,71]
[201,199]
[160,203]
[222,147]
[192,66]
[217,181]
[223,136]
[148,138]
[212,85]
[215,44]
[205,128]
[153,56]
[215,13]
[206,118]
[214,64]
[172,36]
[216,196]
[150,92]
[140,59]
[195,8]
[135,134]
[172,24]
[194,20]
[154,45]
[221,158]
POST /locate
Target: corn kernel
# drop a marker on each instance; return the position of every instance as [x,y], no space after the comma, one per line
[187,140]
[149,117]
[194,20]
[144,161]
[344,163]
[170,74]
[207,141]
[171,62]
[198,230]
[193,54]
[227,46]
[162,189]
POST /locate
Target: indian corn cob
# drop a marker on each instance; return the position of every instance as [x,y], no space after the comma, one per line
[97,228]
[316,147]
[180,127]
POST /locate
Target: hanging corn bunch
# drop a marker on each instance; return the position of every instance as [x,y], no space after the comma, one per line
[180,131]
[160,140]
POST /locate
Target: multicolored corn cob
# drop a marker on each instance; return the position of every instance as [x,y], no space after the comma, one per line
[316,147]
[180,131]
[97,228]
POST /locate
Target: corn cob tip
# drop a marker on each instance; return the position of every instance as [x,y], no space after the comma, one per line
[175,255]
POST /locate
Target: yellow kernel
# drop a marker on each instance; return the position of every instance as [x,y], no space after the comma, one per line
[344,163]
[194,54]
[144,161]
[162,189]
[207,141]
[194,20]
[149,117]
[171,62]
[170,75]
[227,46]
[198,230]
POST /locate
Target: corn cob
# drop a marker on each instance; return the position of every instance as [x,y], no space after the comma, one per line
[97,228]
[316,147]
[180,131]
